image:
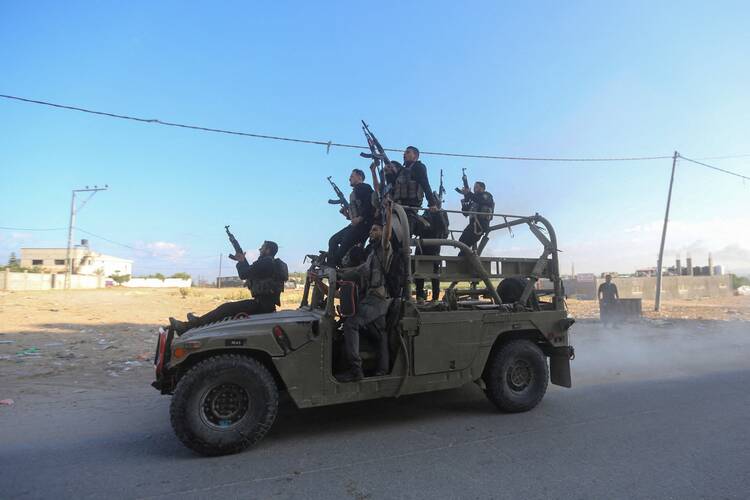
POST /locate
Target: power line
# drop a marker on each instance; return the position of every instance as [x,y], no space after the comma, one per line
[108,240]
[327,144]
[715,168]
[32,229]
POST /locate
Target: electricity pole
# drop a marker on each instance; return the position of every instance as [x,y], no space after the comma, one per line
[218,280]
[71,225]
[657,301]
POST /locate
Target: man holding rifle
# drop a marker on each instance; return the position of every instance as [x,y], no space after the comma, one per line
[265,278]
[360,214]
[372,309]
[476,202]
[410,186]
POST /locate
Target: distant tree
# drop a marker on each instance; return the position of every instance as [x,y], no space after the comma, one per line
[182,276]
[158,276]
[13,260]
[738,281]
[120,278]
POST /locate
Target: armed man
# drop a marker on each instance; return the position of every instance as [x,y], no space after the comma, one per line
[480,200]
[438,228]
[372,309]
[265,278]
[409,187]
[360,214]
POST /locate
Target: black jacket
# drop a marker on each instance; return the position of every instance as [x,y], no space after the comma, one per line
[363,197]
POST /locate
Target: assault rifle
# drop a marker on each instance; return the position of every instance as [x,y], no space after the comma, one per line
[441,189]
[235,244]
[341,198]
[465,203]
[377,153]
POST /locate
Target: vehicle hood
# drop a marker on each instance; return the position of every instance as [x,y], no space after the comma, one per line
[260,322]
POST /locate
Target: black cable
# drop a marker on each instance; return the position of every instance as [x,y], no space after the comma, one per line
[108,240]
[714,168]
[328,144]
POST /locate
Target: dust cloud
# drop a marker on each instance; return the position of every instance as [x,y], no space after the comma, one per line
[657,349]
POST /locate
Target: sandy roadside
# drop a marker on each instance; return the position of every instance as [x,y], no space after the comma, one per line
[92,336]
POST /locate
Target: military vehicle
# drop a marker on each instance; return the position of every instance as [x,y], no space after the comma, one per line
[225,378]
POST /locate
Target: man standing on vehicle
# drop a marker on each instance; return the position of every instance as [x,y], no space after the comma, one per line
[480,200]
[608,298]
[265,278]
[409,187]
[372,309]
[438,229]
[360,214]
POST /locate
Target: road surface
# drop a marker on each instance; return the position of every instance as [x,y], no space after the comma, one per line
[656,412]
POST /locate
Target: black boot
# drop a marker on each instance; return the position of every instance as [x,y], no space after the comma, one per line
[351,375]
[193,320]
[179,327]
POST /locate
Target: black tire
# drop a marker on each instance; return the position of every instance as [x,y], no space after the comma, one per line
[516,376]
[224,404]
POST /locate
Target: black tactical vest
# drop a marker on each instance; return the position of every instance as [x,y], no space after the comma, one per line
[406,190]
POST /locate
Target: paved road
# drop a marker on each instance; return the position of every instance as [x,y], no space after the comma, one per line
[627,430]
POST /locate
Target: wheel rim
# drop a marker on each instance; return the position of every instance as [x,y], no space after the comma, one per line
[224,405]
[519,375]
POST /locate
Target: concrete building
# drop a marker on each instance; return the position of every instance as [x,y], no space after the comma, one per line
[85,260]
[644,287]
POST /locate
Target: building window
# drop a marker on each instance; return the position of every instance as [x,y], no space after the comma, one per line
[59,262]
[37,262]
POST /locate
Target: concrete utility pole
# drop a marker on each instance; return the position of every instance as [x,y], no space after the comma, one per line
[218,280]
[657,301]
[71,225]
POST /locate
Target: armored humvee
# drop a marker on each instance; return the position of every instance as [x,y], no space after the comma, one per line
[226,377]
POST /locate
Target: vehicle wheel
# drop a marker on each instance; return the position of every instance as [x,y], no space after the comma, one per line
[224,404]
[516,376]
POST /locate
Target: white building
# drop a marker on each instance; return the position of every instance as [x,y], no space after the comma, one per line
[85,260]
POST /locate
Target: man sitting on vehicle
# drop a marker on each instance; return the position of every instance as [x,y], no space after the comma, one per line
[265,279]
[372,309]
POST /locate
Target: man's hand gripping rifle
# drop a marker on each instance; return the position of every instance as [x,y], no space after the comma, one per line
[341,198]
[466,202]
[237,248]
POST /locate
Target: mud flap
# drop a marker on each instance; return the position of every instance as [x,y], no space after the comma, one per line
[559,366]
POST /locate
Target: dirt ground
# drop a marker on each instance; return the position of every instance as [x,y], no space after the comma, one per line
[91,336]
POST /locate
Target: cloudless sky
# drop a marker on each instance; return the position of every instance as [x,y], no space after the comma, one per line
[549,79]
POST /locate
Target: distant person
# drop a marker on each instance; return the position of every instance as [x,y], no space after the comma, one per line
[265,279]
[608,298]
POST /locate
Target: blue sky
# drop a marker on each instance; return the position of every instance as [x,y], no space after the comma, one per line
[551,79]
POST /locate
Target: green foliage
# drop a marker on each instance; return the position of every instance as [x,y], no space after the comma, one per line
[18,269]
[13,261]
[738,281]
[182,276]
[120,278]
[158,276]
